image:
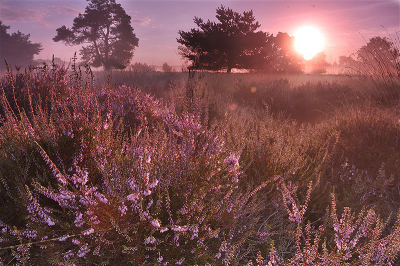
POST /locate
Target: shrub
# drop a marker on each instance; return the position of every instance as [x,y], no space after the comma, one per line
[89,192]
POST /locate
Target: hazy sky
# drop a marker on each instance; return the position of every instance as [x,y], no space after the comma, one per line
[344,24]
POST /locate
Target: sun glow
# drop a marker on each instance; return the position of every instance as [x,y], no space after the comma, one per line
[309,41]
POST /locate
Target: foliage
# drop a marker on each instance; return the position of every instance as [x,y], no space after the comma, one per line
[349,64]
[107,27]
[318,63]
[142,68]
[231,43]
[166,67]
[378,64]
[50,62]
[16,47]
[380,55]
[280,55]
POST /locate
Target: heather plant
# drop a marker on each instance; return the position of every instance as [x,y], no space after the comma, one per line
[273,150]
[111,174]
[200,95]
[363,158]
[64,130]
[46,84]
[357,240]
[323,154]
[86,191]
[158,84]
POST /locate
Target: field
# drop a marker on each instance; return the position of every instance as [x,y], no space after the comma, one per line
[129,168]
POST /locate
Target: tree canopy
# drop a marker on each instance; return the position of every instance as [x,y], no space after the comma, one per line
[280,55]
[167,68]
[318,63]
[16,47]
[142,67]
[107,29]
[230,43]
[380,54]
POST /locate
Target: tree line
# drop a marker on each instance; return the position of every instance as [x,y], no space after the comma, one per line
[233,42]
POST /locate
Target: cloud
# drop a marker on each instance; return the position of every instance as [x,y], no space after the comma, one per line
[141,21]
[65,10]
[22,14]
[33,14]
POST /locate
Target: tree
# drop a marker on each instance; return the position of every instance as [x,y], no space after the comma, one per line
[380,55]
[56,60]
[346,61]
[166,67]
[16,47]
[231,43]
[107,28]
[142,68]
[318,63]
[280,55]
[349,65]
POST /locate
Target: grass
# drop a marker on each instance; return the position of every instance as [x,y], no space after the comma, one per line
[216,169]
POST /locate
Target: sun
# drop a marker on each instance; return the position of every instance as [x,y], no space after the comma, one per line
[309,41]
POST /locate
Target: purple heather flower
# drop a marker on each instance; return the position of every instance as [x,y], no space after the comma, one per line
[155,223]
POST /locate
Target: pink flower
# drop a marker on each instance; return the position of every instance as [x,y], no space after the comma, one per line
[155,223]
[132,197]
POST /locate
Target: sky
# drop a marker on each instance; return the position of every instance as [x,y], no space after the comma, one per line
[346,25]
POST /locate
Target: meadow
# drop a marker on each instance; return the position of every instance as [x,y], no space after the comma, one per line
[130,168]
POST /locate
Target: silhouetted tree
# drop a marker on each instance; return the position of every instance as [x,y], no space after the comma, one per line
[142,67]
[107,27]
[346,61]
[318,63]
[166,67]
[280,55]
[380,55]
[16,47]
[231,43]
[349,65]
[56,61]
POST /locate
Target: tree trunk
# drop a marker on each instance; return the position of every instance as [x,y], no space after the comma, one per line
[230,63]
[107,66]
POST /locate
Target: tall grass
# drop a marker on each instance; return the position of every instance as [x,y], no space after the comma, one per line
[204,170]
[379,69]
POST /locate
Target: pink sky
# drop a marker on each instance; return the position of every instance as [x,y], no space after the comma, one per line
[345,24]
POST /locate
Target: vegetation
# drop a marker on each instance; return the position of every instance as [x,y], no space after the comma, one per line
[231,43]
[217,169]
[149,168]
[167,68]
[280,56]
[382,54]
[318,63]
[107,27]
[16,47]
[142,67]
[379,57]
